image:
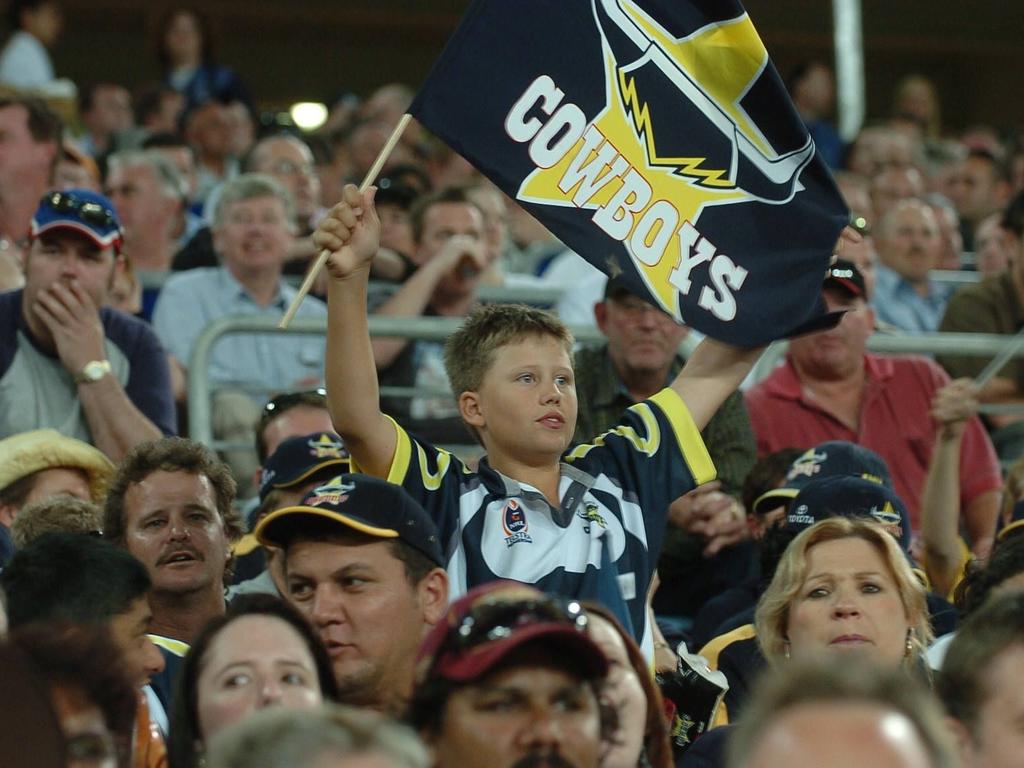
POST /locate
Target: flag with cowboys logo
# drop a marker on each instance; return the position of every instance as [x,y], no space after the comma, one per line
[655,139]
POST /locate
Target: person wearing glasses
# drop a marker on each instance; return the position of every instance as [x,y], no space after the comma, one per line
[289,160]
[511,677]
[88,692]
[81,578]
[67,361]
[363,563]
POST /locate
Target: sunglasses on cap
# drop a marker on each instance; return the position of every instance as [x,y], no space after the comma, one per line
[86,210]
[494,620]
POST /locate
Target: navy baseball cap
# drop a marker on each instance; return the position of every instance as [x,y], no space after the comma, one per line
[829,459]
[358,503]
[846,496]
[79,210]
[316,456]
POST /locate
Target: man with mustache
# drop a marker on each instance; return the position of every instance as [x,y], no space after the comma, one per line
[510,679]
[169,505]
[909,248]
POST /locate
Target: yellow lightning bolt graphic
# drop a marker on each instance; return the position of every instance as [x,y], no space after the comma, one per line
[684,166]
[725,59]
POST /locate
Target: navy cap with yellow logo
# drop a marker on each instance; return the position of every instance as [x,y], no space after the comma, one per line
[845,496]
[357,503]
[299,459]
[829,459]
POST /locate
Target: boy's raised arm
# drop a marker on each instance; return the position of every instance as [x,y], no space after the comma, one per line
[351,232]
[716,369]
[713,372]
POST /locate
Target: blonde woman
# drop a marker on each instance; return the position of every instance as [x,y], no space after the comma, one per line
[844,586]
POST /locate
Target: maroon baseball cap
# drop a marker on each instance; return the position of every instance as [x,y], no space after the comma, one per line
[487,624]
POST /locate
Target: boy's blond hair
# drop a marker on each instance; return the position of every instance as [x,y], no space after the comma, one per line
[469,352]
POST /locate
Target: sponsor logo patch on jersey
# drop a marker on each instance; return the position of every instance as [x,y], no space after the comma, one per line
[513,521]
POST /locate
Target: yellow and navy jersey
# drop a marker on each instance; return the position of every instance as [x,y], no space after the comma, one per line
[173,652]
[737,655]
[601,543]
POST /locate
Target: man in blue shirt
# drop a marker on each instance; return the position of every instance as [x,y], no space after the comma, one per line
[253,231]
[909,246]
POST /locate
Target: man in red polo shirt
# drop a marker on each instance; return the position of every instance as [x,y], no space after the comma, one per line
[829,388]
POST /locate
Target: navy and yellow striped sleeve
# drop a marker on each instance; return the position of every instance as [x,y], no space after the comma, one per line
[656,454]
[430,475]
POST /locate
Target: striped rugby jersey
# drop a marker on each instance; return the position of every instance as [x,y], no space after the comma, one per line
[602,543]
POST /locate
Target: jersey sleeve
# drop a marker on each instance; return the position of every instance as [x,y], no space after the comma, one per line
[432,476]
[656,454]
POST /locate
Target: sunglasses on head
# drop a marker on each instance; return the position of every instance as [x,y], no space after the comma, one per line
[86,210]
[493,620]
[284,401]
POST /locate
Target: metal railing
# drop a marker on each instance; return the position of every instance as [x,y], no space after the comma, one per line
[964,344]
[955,276]
[201,389]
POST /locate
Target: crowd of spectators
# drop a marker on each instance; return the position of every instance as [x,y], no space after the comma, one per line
[474,552]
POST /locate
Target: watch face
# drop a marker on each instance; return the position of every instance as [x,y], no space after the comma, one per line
[95,370]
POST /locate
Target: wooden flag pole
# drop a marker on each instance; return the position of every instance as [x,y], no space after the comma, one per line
[371,176]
